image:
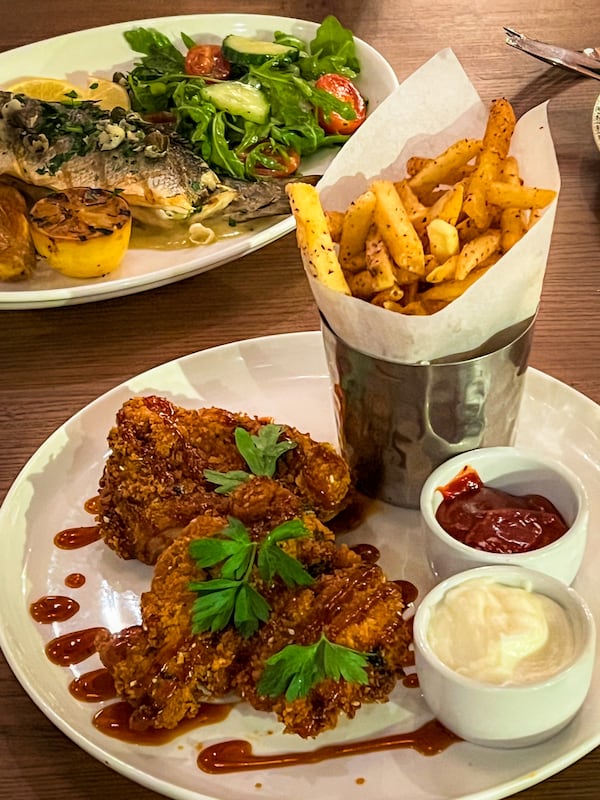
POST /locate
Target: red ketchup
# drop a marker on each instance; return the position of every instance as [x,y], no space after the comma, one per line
[496,521]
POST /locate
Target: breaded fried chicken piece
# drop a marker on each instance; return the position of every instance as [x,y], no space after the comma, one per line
[165,671]
[153,482]
[160,667]
[354,605]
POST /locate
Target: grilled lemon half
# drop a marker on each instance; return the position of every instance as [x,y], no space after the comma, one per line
[81,232]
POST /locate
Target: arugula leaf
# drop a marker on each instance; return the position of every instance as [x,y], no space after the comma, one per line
[158,83]
[289,40]
[293,671]
[232,597]
[332,50]
[159,51]
[262,451]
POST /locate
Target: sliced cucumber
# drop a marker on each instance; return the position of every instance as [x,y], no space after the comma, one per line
[252,52]
[239,99]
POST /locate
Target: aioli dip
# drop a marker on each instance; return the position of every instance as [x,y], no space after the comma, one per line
[500,634]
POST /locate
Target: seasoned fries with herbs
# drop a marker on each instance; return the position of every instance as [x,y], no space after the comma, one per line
[415,244]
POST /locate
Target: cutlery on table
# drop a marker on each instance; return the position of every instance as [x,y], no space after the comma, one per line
[585,62]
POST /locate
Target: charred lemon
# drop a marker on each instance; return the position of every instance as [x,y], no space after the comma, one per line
[81,232]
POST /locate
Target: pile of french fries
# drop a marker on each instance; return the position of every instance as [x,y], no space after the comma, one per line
[416,244]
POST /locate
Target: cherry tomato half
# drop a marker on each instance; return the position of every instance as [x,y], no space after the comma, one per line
[341,87]
[207,60]
[266,161]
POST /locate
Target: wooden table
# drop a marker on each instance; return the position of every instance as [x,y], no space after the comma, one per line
[54,361]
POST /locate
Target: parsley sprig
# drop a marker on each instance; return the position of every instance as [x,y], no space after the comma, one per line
[294,670]
[233,597]
[260,453]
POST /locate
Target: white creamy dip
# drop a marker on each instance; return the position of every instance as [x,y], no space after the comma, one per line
[500,634]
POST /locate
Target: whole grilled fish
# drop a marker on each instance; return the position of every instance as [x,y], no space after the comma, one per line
[60,145]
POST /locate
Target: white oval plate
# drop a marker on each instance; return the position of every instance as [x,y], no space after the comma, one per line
[102,51]
[286,377]
[596,122]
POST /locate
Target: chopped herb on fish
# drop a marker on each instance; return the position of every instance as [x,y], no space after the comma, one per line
[76,143]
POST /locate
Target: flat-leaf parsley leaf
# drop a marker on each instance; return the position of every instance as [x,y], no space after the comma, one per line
[260,453]
[231,598]
[293,671]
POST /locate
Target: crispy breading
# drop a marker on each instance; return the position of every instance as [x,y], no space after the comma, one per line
[166,672]
[354,604]
[153,482]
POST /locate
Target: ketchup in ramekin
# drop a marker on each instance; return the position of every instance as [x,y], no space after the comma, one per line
[494,520]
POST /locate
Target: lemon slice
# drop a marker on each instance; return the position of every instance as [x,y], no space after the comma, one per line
[56,90]
[81,232]
[107,94]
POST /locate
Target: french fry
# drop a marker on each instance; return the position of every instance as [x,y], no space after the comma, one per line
[415,244]
[438,170]
[476,251]
[396,230]
[443,272]
[415,308]
[361,285]
[512,220]
[313,237]
[414,207]
[356,224]
[506,195]
[392,295]
[335,220]
[512,226]
[355,264]
[415,164]
[509,171]
[443,239]
[379,262]
[496,143]
[450,290]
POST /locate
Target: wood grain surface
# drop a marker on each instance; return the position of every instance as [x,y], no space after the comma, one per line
[54,361]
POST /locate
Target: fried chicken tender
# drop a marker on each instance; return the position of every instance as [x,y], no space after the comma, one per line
[354,604]
[153,482]
[165,671]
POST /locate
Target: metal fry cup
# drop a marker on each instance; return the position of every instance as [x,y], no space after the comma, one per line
[397,422]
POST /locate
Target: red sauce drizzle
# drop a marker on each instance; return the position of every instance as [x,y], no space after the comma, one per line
[496,521]
[411,681]
[236,755]
[74,647]
[368,552]
[113,720]
[94,686]
[53,608]
[75,580]
[409,591]
[92,506]
[349,518]
[74,538]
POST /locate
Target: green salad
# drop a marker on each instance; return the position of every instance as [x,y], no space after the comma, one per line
[250,108]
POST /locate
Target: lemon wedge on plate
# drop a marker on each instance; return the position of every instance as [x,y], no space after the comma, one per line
[107,94]
[81,232]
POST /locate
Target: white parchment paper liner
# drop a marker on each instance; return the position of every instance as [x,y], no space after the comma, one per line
[434,107]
